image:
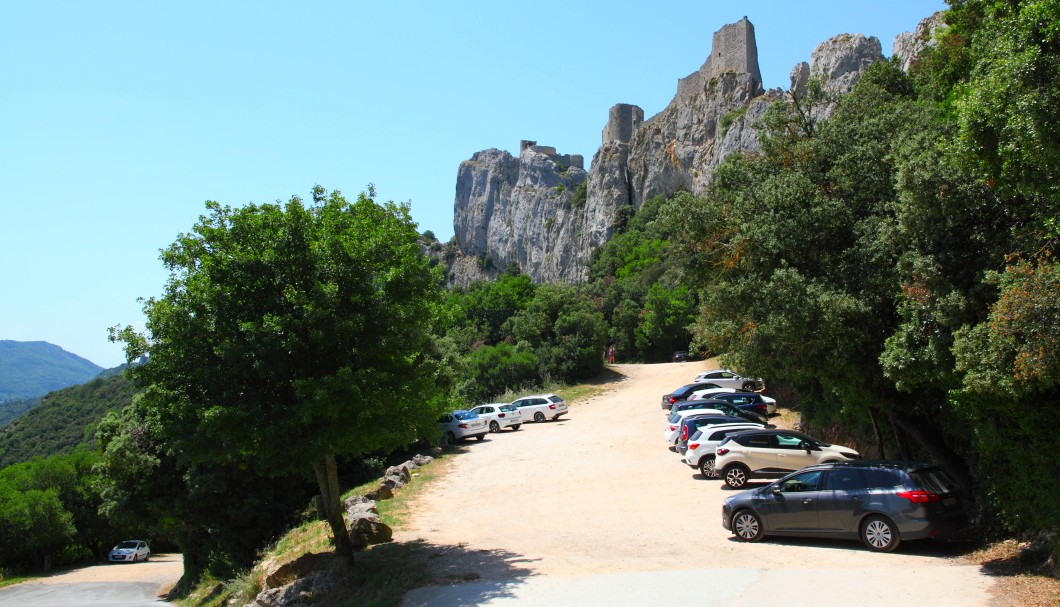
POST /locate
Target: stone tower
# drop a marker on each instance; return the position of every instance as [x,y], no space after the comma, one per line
[733,50]
[622,121]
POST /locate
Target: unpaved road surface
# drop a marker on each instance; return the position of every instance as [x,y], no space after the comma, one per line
[594,509]
[103,585]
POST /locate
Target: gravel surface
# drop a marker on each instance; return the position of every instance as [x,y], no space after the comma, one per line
[599,493]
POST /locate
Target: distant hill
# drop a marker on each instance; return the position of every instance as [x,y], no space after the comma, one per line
[11,409]
[33,368]
[63,419]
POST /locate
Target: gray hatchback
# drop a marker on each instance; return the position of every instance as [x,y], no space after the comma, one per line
[879,502]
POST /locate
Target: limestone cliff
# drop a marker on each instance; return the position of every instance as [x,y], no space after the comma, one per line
[544,213]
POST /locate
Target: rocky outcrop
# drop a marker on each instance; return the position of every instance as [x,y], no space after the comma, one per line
[909,45]
[529,211]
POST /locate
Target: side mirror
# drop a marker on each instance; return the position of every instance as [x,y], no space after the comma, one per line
[775,489]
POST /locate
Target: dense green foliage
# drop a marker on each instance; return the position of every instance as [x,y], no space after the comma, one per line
[29,369]
[64,420]
[897,261]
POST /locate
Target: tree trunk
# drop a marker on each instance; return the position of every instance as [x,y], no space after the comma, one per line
[900,441]
[876,432]
[328,479]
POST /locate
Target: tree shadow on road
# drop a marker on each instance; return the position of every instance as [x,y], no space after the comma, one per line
[495,572]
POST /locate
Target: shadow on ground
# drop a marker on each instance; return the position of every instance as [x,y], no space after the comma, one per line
[495,572]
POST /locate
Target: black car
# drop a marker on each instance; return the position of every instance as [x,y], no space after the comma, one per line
[684,392]
[748,401]
[880,503]
[681,356]
[721,405]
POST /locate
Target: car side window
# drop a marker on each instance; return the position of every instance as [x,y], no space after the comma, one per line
[789,441]
[881,479]
[843,480]
[757,441]
[801,483]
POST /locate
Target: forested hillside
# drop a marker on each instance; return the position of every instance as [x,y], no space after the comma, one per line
[63,420]
[34,368]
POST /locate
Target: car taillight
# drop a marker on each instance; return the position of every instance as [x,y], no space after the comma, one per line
[693,446]
[919,496]
[464,426]
[673,399]
[672,427]
[552,406]
[501,415]
[684,433]
[721,451]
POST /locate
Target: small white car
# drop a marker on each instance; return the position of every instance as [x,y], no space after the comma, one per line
[772,453]
[702,444]
[499,416]
[130,551]
[730,379]
[673,423]
[461,424]
[539,407]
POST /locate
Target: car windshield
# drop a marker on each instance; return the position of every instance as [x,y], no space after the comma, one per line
[464,415]
[125,546]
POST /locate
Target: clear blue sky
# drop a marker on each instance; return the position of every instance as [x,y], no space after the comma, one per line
[120,119]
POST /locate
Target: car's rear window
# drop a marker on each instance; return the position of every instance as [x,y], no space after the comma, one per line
[507,408]
[933,479]
[555,399]
[464,415]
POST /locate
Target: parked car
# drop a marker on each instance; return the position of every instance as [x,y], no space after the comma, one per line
[701,445]
[730,379]
[130,551]
[673,423]
[881,503]
[539,407]
[461,424]
[772,453]
[691,423]
[725,407]
[684,392]
[499,416]
[749,400]
[681,356]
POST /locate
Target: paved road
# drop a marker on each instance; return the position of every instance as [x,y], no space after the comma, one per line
[594,510]
[104,585]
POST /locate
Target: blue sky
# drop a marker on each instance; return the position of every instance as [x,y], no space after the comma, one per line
[118,120]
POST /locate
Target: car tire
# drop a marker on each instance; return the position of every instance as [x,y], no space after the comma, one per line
[539,417]
[147,558]
[747,526]
[517,426]
[495,427]
[879,534]
[749,386]
[450,438]
[706,467]
[480,436]
[736,475]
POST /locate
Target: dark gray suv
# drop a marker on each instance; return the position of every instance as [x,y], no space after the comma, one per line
[879,502]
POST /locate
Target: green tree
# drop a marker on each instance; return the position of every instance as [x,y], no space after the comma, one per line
[565,330]
[290,334]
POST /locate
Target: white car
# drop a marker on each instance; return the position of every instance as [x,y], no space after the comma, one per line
[539,407]
[747,398]
[499,416]
[461,424]
[730,379]
[701,446]
[673,423]
[130,551]
[772,453]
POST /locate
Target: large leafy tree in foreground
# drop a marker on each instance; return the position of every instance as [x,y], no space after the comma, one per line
[290,334]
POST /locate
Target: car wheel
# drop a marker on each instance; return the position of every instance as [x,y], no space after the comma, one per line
[539,417]
[879,534]
[450,438]
[747,526]
[495,427]
[147,557]
[735,475]
[480,436]
[706,466]
[517,426]
[749,386]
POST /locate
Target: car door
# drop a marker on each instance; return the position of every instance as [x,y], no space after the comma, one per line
[842,500]
[791,452]
[792,504]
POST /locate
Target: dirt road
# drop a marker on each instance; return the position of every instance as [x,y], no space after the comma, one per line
[599,494]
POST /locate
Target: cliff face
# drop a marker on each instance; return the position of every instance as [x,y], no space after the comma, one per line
[529,211]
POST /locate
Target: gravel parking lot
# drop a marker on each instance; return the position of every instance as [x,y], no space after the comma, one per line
[597,495]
